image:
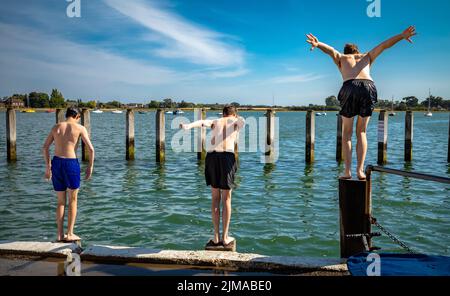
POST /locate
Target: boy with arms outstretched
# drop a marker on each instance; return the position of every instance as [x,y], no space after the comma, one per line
[220,168]
[358,94]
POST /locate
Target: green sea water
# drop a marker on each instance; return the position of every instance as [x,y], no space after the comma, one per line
[288,208]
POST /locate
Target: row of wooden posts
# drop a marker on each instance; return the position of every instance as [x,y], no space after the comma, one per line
[201,139]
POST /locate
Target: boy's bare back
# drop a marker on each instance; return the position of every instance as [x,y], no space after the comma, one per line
[225,133]
[355,66]
[65,136]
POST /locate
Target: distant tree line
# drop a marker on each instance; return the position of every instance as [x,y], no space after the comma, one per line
[40,100]
[407,103]
[412,103]
[56,100]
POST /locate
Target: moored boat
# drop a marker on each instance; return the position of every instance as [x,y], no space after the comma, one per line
[28,111]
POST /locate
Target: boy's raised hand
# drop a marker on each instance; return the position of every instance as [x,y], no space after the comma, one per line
[408,33]
[312,40]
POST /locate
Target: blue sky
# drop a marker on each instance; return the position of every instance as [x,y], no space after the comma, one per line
[216,51]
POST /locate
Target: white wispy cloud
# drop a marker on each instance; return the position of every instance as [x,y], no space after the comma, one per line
[295,78]
[229,74]
[32,58]
[181,38]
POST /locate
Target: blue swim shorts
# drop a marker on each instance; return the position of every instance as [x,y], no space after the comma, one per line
[65,173]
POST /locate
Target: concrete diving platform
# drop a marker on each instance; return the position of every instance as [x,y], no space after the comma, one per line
[44,249]
[214,259]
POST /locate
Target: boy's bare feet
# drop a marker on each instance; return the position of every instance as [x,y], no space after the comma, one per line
[228,240]
[346,176]
[72,237]
[60,238]
[361,175]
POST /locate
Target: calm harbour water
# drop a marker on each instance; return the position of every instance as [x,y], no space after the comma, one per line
[288,208]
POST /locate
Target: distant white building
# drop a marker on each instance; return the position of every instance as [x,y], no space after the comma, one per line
[13,102]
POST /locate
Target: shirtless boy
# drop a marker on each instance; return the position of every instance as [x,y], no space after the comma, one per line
[64,169]
[220,168]
[358,94]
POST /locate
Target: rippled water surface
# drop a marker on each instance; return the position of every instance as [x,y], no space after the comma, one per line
[284,209]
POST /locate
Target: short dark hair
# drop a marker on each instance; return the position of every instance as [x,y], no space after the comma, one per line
[229,110]
[351,48]
[72,112]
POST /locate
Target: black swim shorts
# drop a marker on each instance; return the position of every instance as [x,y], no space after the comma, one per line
[220,168]
[357,97]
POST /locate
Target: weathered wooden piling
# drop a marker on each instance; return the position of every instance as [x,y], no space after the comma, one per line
[339,156]
[448,146]
[60,116]
[270,136]
[409,125]
[11,153]
[86,122]
[129,135]
[201,135]
[354,215]
[310,136]
[382,137]
[236,150]
[160,136]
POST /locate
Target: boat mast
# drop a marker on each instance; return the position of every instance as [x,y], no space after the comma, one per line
[429,99]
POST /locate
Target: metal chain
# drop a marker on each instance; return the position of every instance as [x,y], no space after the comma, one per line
[391,236]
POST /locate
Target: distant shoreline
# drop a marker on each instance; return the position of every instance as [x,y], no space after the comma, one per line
[256,109]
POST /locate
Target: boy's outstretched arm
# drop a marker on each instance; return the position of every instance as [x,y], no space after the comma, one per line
[407,34]
[46,153]
[91,151]
[240,122]
[198,123]
[333,53]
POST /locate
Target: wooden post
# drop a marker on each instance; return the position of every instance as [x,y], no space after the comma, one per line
[339,156]
[130,135]
[382,137]
[160,136]
[236,150]
[270,136]
[310,136]
[201,135]
[409,125]
[11,153]
[448,146]
[86,122]
[60,116]
[354,214]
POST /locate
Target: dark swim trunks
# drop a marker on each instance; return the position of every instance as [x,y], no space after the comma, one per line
[220,168]
[65,173]
[357,97]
